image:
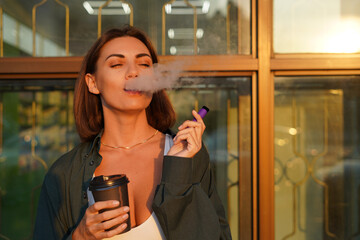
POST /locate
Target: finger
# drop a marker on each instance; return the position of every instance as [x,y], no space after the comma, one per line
[199,119]
[113,232]
[191,131]
[96,207]
[92,215]
[112,222]
[196,131]
[189,123]
[189,138]
[190,148]
[197,116]
[110,214]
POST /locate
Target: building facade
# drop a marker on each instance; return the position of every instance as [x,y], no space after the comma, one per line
[281,79]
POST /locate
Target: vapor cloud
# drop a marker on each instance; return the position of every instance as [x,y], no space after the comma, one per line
[161,76]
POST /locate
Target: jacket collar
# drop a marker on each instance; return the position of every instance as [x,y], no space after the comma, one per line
[95,143]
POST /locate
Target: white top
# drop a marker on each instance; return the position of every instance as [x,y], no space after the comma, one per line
[148,230]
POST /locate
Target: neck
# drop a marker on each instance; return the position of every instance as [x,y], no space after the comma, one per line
[125,129]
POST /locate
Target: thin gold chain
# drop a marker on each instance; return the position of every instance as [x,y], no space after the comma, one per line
[124,147]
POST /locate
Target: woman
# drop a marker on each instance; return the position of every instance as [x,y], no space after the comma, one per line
[171,188]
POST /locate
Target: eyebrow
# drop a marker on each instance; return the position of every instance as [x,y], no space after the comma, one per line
[122,56]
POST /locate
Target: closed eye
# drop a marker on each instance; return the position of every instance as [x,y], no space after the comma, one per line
[116,65]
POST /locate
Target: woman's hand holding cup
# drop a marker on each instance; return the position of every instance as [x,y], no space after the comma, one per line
[96,221]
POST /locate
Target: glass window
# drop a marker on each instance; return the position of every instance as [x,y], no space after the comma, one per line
[311,26]
[37,127]
[317,161]
[181,27]
[227,136]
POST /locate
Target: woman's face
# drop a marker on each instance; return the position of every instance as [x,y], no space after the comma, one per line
[120,60]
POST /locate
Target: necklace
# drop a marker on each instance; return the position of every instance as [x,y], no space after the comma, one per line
[128,147]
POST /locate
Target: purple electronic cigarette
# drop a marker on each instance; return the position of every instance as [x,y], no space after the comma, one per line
[202,112]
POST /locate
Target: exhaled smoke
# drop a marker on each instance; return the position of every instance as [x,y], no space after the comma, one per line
[161,76]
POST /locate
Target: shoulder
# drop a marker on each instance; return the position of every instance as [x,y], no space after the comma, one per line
[68,163]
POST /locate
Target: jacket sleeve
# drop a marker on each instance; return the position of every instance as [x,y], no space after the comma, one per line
[50,223]
[186,202]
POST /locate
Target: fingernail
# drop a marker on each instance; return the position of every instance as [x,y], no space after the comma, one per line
[125,216]
[126,209]
[115,203]
[124,225]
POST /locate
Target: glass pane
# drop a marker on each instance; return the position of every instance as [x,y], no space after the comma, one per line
[37,127]
[214,29]
[227,137]
[317,158]
[311,26]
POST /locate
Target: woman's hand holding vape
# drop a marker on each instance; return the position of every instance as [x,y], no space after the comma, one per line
[94,224]
[188,140]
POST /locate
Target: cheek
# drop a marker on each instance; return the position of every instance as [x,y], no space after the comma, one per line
[110,82]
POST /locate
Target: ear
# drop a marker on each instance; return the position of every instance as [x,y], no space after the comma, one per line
[91,83]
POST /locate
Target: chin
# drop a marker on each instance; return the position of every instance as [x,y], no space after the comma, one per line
[136,105]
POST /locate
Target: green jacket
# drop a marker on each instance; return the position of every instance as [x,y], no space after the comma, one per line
[186,202]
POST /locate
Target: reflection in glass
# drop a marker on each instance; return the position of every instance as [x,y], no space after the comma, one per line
[310,26]
[38,127]
[222,27]
[218,28]
[317,158]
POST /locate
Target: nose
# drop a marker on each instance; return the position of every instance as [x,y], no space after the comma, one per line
[132,72]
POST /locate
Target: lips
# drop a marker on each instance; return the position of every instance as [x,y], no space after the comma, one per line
[131,91]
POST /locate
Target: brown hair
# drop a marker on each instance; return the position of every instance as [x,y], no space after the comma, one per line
[87,106]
